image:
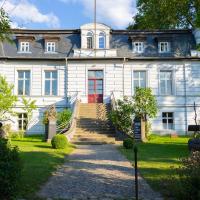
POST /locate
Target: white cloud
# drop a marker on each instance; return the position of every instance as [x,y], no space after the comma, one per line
[24,13]
[118,13]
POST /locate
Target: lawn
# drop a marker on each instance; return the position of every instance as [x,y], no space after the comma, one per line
[39,161]
[156,157]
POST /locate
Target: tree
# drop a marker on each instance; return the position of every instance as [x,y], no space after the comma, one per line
[4,26]
[166,14]
[7,99]
[144,106]
[28,107]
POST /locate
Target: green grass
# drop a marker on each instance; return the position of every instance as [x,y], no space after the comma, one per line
[39,161]
[156,157]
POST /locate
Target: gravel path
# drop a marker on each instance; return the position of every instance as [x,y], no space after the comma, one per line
[96,172]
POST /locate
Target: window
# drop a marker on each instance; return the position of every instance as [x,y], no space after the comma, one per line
[22,121]
[89,40]
[166,82]
[50,47]
[51,83]
[168,120]
[164,47]
[139,79]
[24,47]
[102,40]
[138,47]
[23,82]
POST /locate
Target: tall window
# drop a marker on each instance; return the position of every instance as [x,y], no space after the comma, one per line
[24,47]
[168,120]
[166,82]
[50,47]
[23,82]
[51,82]
[89,40]
[22,121]
[138,47]
[102,40]
[164,47]
[139,79]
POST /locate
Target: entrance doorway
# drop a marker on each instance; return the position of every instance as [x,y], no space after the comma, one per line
[95,86]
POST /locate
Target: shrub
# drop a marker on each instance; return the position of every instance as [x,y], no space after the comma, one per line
[64,118]
[122,116]
[59,141]
[128,143]
[187,185]
[10,170]
[16,135]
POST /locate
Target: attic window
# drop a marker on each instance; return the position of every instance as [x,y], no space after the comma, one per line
[89,40]
[164,47]
[24,47]
[50,47]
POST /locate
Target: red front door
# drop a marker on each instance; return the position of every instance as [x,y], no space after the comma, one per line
[95,86]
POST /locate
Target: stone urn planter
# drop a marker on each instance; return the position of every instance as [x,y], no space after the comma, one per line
[194,144]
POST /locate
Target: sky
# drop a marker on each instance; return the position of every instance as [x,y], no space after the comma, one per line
[68,14]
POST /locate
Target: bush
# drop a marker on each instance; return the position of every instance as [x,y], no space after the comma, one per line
[10,170]
[187,185]
[16,134]
[59,141]
[128,143]
[64,118]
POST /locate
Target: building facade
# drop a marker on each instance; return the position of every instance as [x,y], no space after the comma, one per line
[51,66]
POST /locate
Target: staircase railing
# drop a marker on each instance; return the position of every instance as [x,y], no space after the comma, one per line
[69,130]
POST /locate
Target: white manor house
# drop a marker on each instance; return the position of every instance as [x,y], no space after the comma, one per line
[54,66]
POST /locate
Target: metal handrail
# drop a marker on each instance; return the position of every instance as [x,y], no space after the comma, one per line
[72,120]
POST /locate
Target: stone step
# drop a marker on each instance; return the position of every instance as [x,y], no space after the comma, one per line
[88,135]
[90,141]
[94,133]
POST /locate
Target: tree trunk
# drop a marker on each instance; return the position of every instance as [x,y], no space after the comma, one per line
[143,130]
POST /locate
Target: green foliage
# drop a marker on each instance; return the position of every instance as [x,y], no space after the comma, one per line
[128,143]
[64,118]
[165,14]
[188,184]
[122,116]
[4,26]
[16,134]
[10,170]
[148,129]
[198,47]
[59,141]
[145,104]
[28,106]
[7,99]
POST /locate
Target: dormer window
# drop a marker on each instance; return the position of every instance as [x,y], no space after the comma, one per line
[102,41]
[138,47]
[50,47]
[89,40]
[164,47]
[24,47]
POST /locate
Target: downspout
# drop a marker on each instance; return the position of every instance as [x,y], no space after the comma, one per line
[185,97]
[66,83]
[124,61]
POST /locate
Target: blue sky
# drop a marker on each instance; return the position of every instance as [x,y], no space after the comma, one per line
[66,14]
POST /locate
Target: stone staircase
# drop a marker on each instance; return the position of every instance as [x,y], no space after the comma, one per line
[93,125]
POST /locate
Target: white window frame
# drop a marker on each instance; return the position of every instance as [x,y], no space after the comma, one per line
[23,119]
[50,47]
[139,79]
[168,118]
[172,83]
[51,79]
[166,47]
[90,35]
[24,82]
[102,35]
[24,47]
[138,47]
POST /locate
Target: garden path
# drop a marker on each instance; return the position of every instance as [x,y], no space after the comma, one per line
[96,172]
